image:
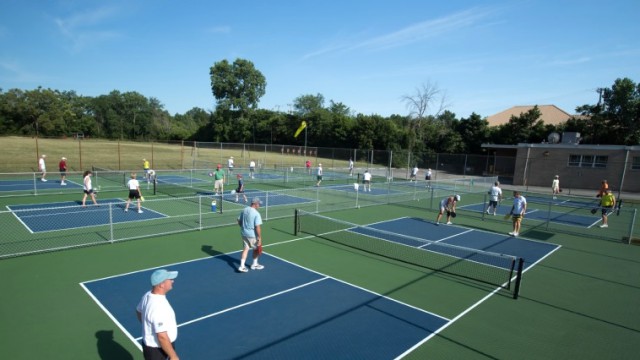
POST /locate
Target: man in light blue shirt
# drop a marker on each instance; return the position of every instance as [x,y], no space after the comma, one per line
[250,221]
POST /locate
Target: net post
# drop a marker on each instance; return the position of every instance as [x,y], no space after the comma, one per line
[516,290]
[155,185]
[220,202]
[295,222]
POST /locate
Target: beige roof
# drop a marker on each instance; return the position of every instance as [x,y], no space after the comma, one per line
[550,114]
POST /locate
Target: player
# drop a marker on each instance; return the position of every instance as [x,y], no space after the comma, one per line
[495,196]
[555,187]
[134,192]
[252,169]
[518,210]
[62,166]
[42,167]
[607,203]
[427,177]
[448,204]
[146,166]
[87,188]
[218,180]
[366,177]
[230,165]
[350,167]
[250,222]
[319,176]
[240,189]
[414,173]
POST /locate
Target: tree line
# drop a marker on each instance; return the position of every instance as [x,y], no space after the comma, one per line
[427,128]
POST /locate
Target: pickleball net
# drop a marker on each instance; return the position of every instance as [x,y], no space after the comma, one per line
[474,264]
[107,178]
[187,192]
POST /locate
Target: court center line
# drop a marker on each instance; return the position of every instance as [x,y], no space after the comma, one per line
[253,301]
[446,238]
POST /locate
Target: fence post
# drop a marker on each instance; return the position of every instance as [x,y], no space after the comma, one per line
[111,222]
[631,226]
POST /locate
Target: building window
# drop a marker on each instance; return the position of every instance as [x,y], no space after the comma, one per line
[591,161]
[601,161]
[635,165]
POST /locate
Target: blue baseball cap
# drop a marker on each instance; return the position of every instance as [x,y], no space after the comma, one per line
[161,275]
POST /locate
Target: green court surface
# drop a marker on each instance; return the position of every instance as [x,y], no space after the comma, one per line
[580,302]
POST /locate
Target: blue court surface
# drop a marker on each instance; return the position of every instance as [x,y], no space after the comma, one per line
[27,185]
[282,312]
[271,198]
[71,214]
[531,251]
[581,219]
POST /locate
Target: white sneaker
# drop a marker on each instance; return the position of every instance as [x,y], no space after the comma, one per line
[243,269]
[63,183]
[494,214]
[140,211]
[126,210]
[512,233]
[449,222]
[516,234]
[257,267]
[604,226]
[487,212]
[43,180]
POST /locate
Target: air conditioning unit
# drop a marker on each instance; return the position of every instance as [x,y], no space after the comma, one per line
[571,138]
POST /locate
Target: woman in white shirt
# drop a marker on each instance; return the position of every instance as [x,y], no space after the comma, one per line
[88,188]
[134,192]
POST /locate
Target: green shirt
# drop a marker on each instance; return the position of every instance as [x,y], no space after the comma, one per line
[219,174]
[608,200]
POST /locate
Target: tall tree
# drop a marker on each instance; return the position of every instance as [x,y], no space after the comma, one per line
[427,102]
[237,86]
[621,109]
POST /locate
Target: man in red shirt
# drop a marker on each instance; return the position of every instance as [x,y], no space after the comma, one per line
[62,166]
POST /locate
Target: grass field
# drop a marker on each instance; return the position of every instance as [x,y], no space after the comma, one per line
[20,154]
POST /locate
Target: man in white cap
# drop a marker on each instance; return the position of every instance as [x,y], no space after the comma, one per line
[42,167]
[448,204]
[250,223]
[230,164]
[159,326]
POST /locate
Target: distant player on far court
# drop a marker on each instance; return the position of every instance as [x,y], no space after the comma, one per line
[495,196]
[62,166]
[367,180]
[240,189]
[134,192]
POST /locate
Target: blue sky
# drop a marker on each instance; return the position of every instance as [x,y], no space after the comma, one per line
[485,56]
